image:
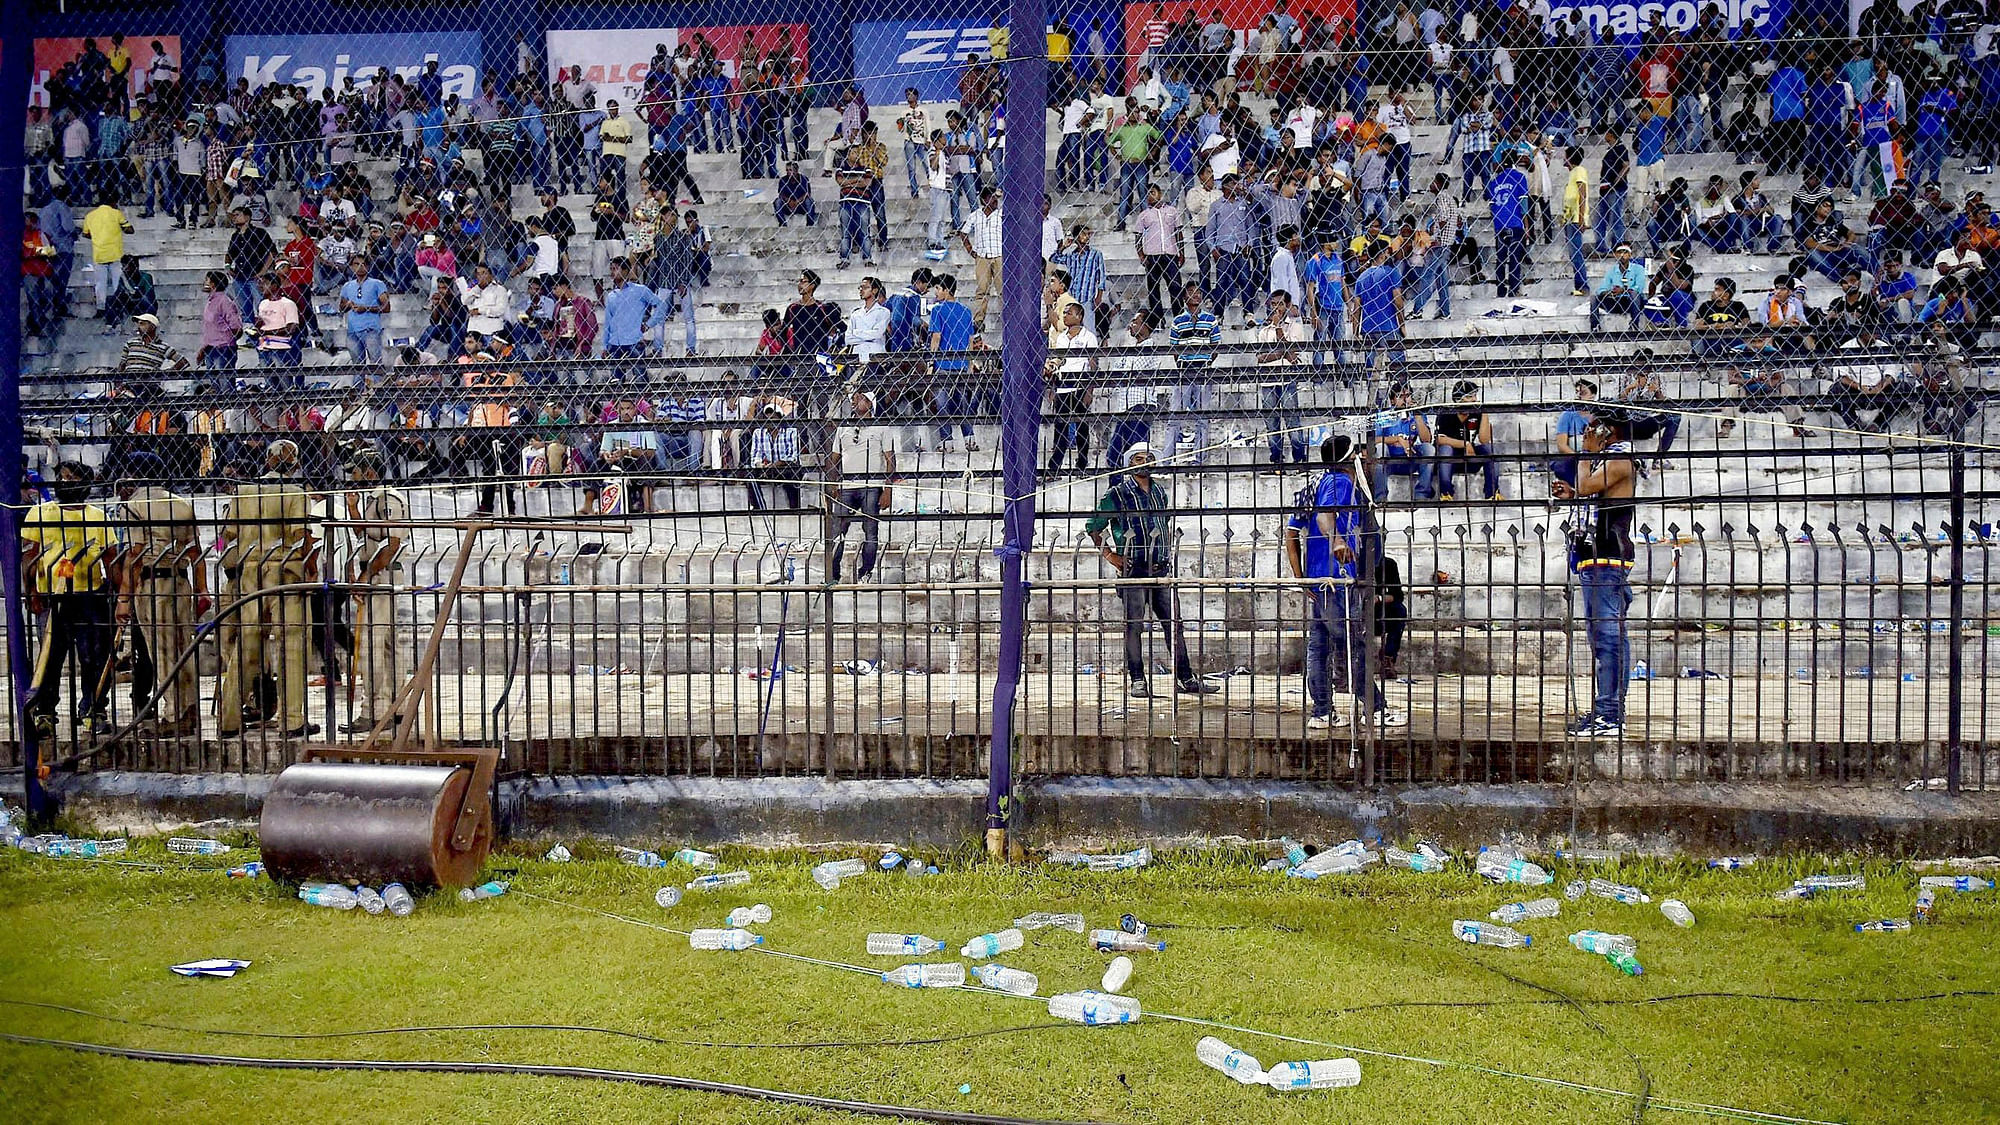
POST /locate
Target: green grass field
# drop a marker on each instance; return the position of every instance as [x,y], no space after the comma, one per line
[1363,962]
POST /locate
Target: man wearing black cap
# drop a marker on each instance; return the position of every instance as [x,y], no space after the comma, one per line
[162,586]
[1601,554]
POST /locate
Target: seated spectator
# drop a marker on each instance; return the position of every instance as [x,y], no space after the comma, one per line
[1715,217]
[1812,191]
[1854,316]
[1784,319]
[1642,385]
[436,261]
[1941,220]
[1864,387]
[1755,217]
[795,196]
[630,445]
[1952,307]
[336,249]
[1756,384]
[1464,439]
[1830,247]
[1670,296]
[1620,290]
[447,319]
[1895,222]
[1895,290]
[1936,386]
[1721,320]
[1672,223]
[1570,425]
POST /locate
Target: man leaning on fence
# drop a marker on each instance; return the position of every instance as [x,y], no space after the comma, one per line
[376,566]
[268,543]
[1324,544]
[1138,512]
[163,587]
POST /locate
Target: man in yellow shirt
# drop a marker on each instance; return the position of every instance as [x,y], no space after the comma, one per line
[106,227]
[996,39]
[1576,220]
[66,547]
[616,136]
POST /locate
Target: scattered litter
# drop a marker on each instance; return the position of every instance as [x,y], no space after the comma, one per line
[1599,942]
[916,870]
[1125,861]
[829,874]
[1239,670]
[694,858]
[1521,911]
[902,945]
[888,720]
[718,881]
[213,967]
[1020,982]
[1094,1009]
[1414,861]
[993,945]
[667,897]
[1956,882]
[1324,1074]
[1732,862]
[333,896]
[1486,933]
[1506,866]
[1677,912]
[1640,671]
[370,900]
[891,861]
[558,854]
[1575,889]
[1618,892]
[1626,963]
[749,915]
[397,898]
[1690,672]
[1214,1053]
[1117,974]
[1883,926]
[252,870]
[191,845]
[1118,941]
[1043,920]
[1131,924]
[966,1087]
[1926,904]
[65,848]
[639,858]
[735,940]
[860,667]
[936,974]
[484,890]
[608,670]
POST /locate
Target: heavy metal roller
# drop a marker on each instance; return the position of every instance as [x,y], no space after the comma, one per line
[387,812]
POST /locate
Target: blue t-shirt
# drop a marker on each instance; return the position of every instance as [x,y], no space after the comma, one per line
[952,324]
[1651,141]
[1325,273]
[368,292]
[1826,108]
[1509,193]
[1335,491]
[1874,116]
[1375,292]
[905,309]
[1788,94]
[1572,422]
[1953,313]
[1931,120]
[1893,288]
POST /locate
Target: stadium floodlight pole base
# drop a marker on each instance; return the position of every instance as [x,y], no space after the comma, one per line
[996,843]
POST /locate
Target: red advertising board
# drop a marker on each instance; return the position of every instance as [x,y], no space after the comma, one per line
[1242,16]
[615,60]
[51,54]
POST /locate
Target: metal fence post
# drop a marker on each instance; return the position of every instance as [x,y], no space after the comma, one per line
[1954,717]
[1022,180]
[16,54]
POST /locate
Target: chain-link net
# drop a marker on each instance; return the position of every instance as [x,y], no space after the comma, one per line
[1487,399]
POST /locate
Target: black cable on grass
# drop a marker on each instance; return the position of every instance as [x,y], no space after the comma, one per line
[1645,1091]
[587,1028]
[1664,998]
[542,1070]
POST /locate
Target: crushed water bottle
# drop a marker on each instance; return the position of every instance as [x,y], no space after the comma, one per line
[1677,912]
[558,854]
[370,900]
[252,870]
[1415,861]
[1295,852]
[1221,1056]
[1591,855]
[1278,864]
[1486,933]
[397,898]
[694,858]
[1521,911]
[83,849]
[1732,862]
[1926,904]
[916,869]
[937,974]
[1627,963]
[640,858]
[667,897]
[993,945]
[891,861]
[1797,890]
[1505,868]
[1043,920]
[902,945]
[1095,1009]
[1956,883]
[718,881]
[10,834]
[1425,847]
[1131,924]
[1118,941]
[1575,889]
[1836,882]
[193,845]
[329,895]
[1597,941]
[1323,1074]
[1117,974]
[828,875]
[1884,926]
[735,940]
[749,915]
[1136,858]
[1020,982]
[1331,863]
[1066,859]
[1618,892]
[484,890]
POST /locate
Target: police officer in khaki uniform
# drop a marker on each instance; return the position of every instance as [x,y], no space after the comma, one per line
[267,544]
[162,586]
[378,562]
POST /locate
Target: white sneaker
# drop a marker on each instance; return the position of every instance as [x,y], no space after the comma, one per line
[1326,722]
[1392,719]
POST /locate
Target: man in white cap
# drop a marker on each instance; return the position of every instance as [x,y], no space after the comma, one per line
[145,351]
[1137,511]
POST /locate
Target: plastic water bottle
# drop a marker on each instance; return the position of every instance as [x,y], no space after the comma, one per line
[992,945]
[639,858]
[10,834]
[1486,933]
[936,974]
[828,875]
[1324,1074]
[484,890]
[1836,882]
[397,898]
[1020,982]
[1626,963]
[1597,941]
[192,845]
[902,945]
[749,915]
[1677,912]
[1118,941]
[1797,890]
[1926,904]
[718,881]
[1137,857]
[558,854]
[1043,920]
[1575,889]
[329,895]
[83,849]
[1956,883]
[1591,855]
[1221,1056]
[694,858]
[1131,924]
[1732,862]
[1884,926]
[1095,1009]
[1512,869]
[1415,861]
[370,900]
[1330,863]
[1426,848]
[890,861]
[1117,974]
[917,870]
[1295,852]
[667,897]
[252,870]
[1521,911]
[735,939]
[1067,859]
[1619,892]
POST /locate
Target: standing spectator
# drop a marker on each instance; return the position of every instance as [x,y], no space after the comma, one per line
[1508,193]
[1576,206]
[1085,266]
[1136,510]
[221,322]
[857,186]
[1377,310]
[861,466]
[38,297]
[279,328]
[189,159]
[1230,246]
[914,125]
[1137,145]
[1327,538]
[106,227]
[59,227]
[1602,552]
[951,330]
[1070,387]
[1612,186]
[614,136]
[251,253]
[1934,130]
[574,328]
[868,329]
[1158,237]
[631,312]
[1194,334]
[1406,444]
[981,238]
[1324,277]
[365,300]
[1278,392]
[1475,126]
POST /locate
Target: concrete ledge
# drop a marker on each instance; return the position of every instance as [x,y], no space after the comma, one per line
[786,812]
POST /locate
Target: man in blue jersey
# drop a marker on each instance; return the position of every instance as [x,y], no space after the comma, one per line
[1876,155]
[1508,194]
[1325,277]
[1378,307]
[1331,542]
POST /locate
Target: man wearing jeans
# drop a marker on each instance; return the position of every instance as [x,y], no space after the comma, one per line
[1194,334]
[1623,289]
[364,299]
[1278,395]
[1325,541]
[1576,204]
[1601,554]
[860,466]
[1137,510]
[916,130]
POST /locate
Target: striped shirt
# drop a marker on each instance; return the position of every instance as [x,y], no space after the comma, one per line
[148,355]
[1447,220]
[1086,273]
[769,447]
[1477,129]
[1195,334]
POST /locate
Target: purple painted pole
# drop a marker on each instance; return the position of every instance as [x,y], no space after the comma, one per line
[1022,182]
[16,55]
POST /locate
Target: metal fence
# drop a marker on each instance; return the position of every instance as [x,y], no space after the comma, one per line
[1812,609]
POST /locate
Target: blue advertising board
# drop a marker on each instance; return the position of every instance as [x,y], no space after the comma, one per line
[319,61]
[892,55]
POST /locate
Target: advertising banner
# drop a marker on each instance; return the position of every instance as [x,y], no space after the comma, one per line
[1627,19]
[1145,22]
[51,54]
[892,55]
[318,61]
[616,59]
